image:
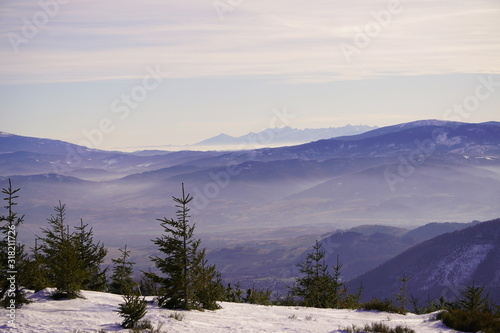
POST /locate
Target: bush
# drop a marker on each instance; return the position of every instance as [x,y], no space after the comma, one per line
[379,328]
[145,326]
[384,306]
[470,321]
[60,295]
[132,310]
[258,296]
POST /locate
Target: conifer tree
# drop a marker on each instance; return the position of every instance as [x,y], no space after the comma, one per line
[318,288]
[72,260]
[188,282]
[92,256]
[36,275]
[233,294]
[472,299]
[121,281]
[133,309]
[401,296]
[12,256]
[207,283]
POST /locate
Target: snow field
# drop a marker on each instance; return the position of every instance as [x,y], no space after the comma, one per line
[96,312]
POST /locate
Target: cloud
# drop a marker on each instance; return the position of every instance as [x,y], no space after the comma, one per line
[300,42]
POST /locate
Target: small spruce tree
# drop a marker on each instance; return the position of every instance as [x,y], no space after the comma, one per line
[473,299]
[72,260]
[317,287]
[401,296]
[188,282]
[233,294]
[13,260]
[133,309]
[121,280]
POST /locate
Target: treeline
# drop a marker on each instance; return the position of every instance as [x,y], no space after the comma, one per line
[68,259]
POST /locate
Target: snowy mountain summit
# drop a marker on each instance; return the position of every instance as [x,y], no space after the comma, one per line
[286,135]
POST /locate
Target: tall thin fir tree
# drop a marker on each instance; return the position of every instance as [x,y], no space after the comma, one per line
[121,281]
[12,256]
[188,281]
[401,296]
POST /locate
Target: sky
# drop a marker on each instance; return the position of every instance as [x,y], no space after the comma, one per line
[111,74]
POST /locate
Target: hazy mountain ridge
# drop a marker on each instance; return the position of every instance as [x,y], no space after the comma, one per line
[331,183]
[314,188]
[442,265]
[359,249]
[285,135]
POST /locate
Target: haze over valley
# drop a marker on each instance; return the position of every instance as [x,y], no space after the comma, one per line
[269,205]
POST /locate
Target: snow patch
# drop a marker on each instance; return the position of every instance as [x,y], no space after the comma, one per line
[457,268]
[443,139]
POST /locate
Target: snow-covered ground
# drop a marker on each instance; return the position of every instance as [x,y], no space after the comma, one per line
[96,312]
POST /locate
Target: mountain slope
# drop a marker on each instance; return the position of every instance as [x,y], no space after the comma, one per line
[272,263]
[15,143]
[476,140]
[442,266]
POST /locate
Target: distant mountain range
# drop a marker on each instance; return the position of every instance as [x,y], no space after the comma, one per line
[284,136]
[407,174]
[401,176]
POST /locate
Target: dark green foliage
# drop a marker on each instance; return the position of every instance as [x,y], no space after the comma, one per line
[470,321]
[207,284]
[379,328]
[352,301]
[132,310]
[91,255]
[472,312]
[72,260]
[121,281]
[472,299]
[188,281]
[148,285]
[233,294]
[318,288]
[36,276]
[432,305]
[145,326]
[61,257]
[258,296]
[384,306]
[414,301]
[401,296]
[13,260]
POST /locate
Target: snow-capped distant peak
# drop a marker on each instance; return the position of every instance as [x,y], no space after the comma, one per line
[5,134]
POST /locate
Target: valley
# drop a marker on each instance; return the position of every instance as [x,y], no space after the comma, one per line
[366,197]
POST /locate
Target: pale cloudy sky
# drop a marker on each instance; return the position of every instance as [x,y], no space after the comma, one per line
[159,72]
